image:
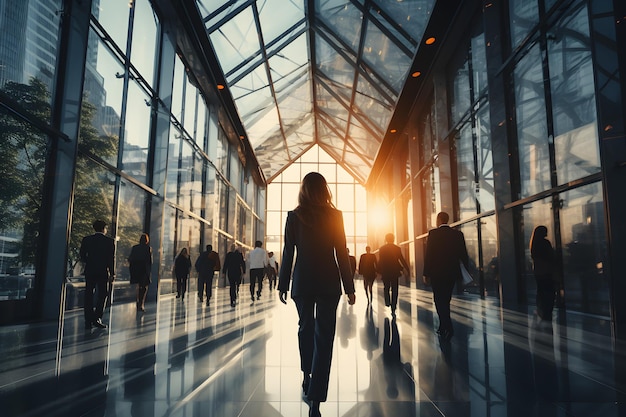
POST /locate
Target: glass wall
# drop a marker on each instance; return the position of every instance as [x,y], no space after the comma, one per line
[557,139]
[28,57]
[348,196]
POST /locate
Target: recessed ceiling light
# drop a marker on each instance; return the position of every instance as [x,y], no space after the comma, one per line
[220,86]
[393,130]
[430,41]
[416,74]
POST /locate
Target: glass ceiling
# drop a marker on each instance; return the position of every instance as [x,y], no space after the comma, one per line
[326,72]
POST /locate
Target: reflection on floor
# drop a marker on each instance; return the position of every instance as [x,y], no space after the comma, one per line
[188,359]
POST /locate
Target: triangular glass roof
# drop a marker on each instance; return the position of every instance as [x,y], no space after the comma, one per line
[326,72]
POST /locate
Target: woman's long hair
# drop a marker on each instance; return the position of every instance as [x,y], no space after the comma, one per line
[314,197]
[183,252]
[540,232]
[144,239]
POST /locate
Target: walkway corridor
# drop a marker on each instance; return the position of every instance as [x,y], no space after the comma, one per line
[187,359]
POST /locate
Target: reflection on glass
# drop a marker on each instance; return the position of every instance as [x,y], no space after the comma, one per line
[533,215]
[532,125]
[573,96]
[491,266]
[103,91]
[144,39]
[93,200]
[130,220]
[523,15]
[113,16]
[584,250]
[136,132]
[23,156]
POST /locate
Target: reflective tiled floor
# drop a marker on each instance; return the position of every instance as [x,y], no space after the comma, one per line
[187,359]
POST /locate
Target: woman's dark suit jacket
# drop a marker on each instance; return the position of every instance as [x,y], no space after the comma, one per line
[322,263]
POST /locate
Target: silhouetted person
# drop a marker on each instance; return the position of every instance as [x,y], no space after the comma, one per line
[445,248]
[182,269]
[97,252]
[207,263]
[543,268]
[390,264]
[272,270]
[234,267]
[368,267]
[352,260]
[258,260]
[140,265]
[315,228]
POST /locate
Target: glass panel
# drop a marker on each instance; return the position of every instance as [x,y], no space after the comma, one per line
[290,12]
[364,140]
[177,88]
[28,46]
[486,196]
[210,196]
[137,133]
[189,118]
[173,165]
[169,250]
[491,266]
[129,228]
[144,39]
[201,123]
[389,61]
[584,250]
[466,173]
[23,155]
[345,197]
[196,184]
[185,172]
[538,213]
[479,59]
[459,90]
[332,65]
[92,183]
[344,18]
[524,15]
[103,96]
[411,15]
[471,242]
[573,97]
[531,125]
[113,16]
[329,171]
[372,105]
[236,40]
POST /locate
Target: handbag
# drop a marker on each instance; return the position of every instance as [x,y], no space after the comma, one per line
[466,277]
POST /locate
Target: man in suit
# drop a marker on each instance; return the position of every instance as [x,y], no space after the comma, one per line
[258,260]
[445,248]
[368,267]
[391,262]
[207,263]
[97,252]
[234,267]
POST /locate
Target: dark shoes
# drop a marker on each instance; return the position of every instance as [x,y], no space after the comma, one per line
[232,304]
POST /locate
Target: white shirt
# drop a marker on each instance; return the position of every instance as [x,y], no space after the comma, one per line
[258,258]
[272,262]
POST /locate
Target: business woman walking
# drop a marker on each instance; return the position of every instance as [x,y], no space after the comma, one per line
[322,266]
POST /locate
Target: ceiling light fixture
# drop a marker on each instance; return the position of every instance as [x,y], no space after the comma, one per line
[416,74]
[220,86]
[430,41]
